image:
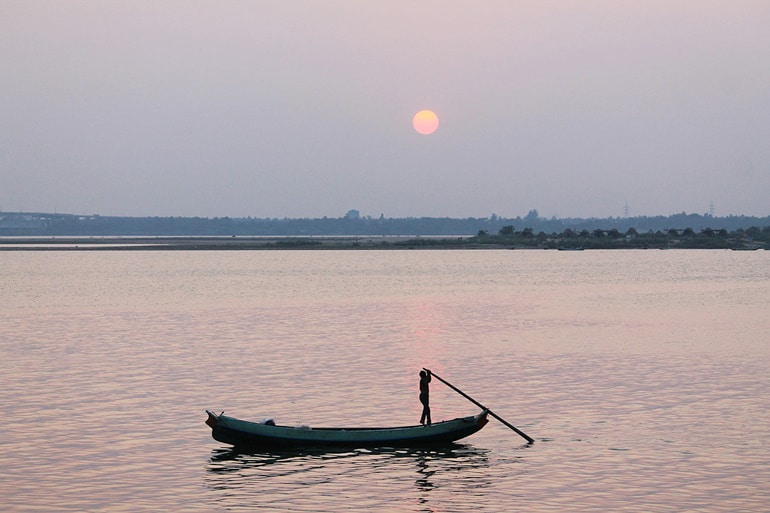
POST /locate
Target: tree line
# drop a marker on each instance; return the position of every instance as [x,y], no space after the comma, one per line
[530,226]
[688,238]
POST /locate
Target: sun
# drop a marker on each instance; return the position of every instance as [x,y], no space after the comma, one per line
[425,122]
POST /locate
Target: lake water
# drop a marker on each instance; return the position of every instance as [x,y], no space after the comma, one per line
[644,377]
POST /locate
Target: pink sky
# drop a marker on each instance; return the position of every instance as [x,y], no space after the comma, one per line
[304,109]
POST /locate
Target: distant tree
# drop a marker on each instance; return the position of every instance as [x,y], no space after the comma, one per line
[532,215]
[482,233]
[598,233]
[631,232]
[688,232]
[506,230]
[527,233]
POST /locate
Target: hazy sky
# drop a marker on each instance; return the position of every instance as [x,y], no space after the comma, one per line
[294,108]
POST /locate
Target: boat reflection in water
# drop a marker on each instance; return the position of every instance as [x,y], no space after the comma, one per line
[428,476]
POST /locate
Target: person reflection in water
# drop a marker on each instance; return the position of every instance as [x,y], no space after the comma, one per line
[424,397]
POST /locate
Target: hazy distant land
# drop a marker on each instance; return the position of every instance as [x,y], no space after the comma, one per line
[39,231]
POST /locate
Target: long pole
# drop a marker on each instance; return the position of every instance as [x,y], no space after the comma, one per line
[474,401]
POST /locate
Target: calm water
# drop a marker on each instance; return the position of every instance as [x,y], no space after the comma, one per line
[643,376]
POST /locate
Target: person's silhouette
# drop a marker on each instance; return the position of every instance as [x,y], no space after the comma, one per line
[425,397]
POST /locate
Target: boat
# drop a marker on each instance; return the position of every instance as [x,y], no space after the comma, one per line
[266,434]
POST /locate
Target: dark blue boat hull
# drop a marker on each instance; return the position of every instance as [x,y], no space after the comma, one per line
[232,431]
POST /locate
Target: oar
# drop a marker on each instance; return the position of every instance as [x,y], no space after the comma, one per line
[474,401]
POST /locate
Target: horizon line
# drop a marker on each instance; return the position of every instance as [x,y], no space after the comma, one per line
[491,216]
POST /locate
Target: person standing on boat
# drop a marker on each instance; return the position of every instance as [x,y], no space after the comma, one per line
[424,396]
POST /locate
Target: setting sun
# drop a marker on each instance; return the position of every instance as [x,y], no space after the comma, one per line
[425,122]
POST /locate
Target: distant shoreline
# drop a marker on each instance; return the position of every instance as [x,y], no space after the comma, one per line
[352,225]
[266,243]
[216,243]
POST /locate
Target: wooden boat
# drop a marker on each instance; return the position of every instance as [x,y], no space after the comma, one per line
[242,433]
